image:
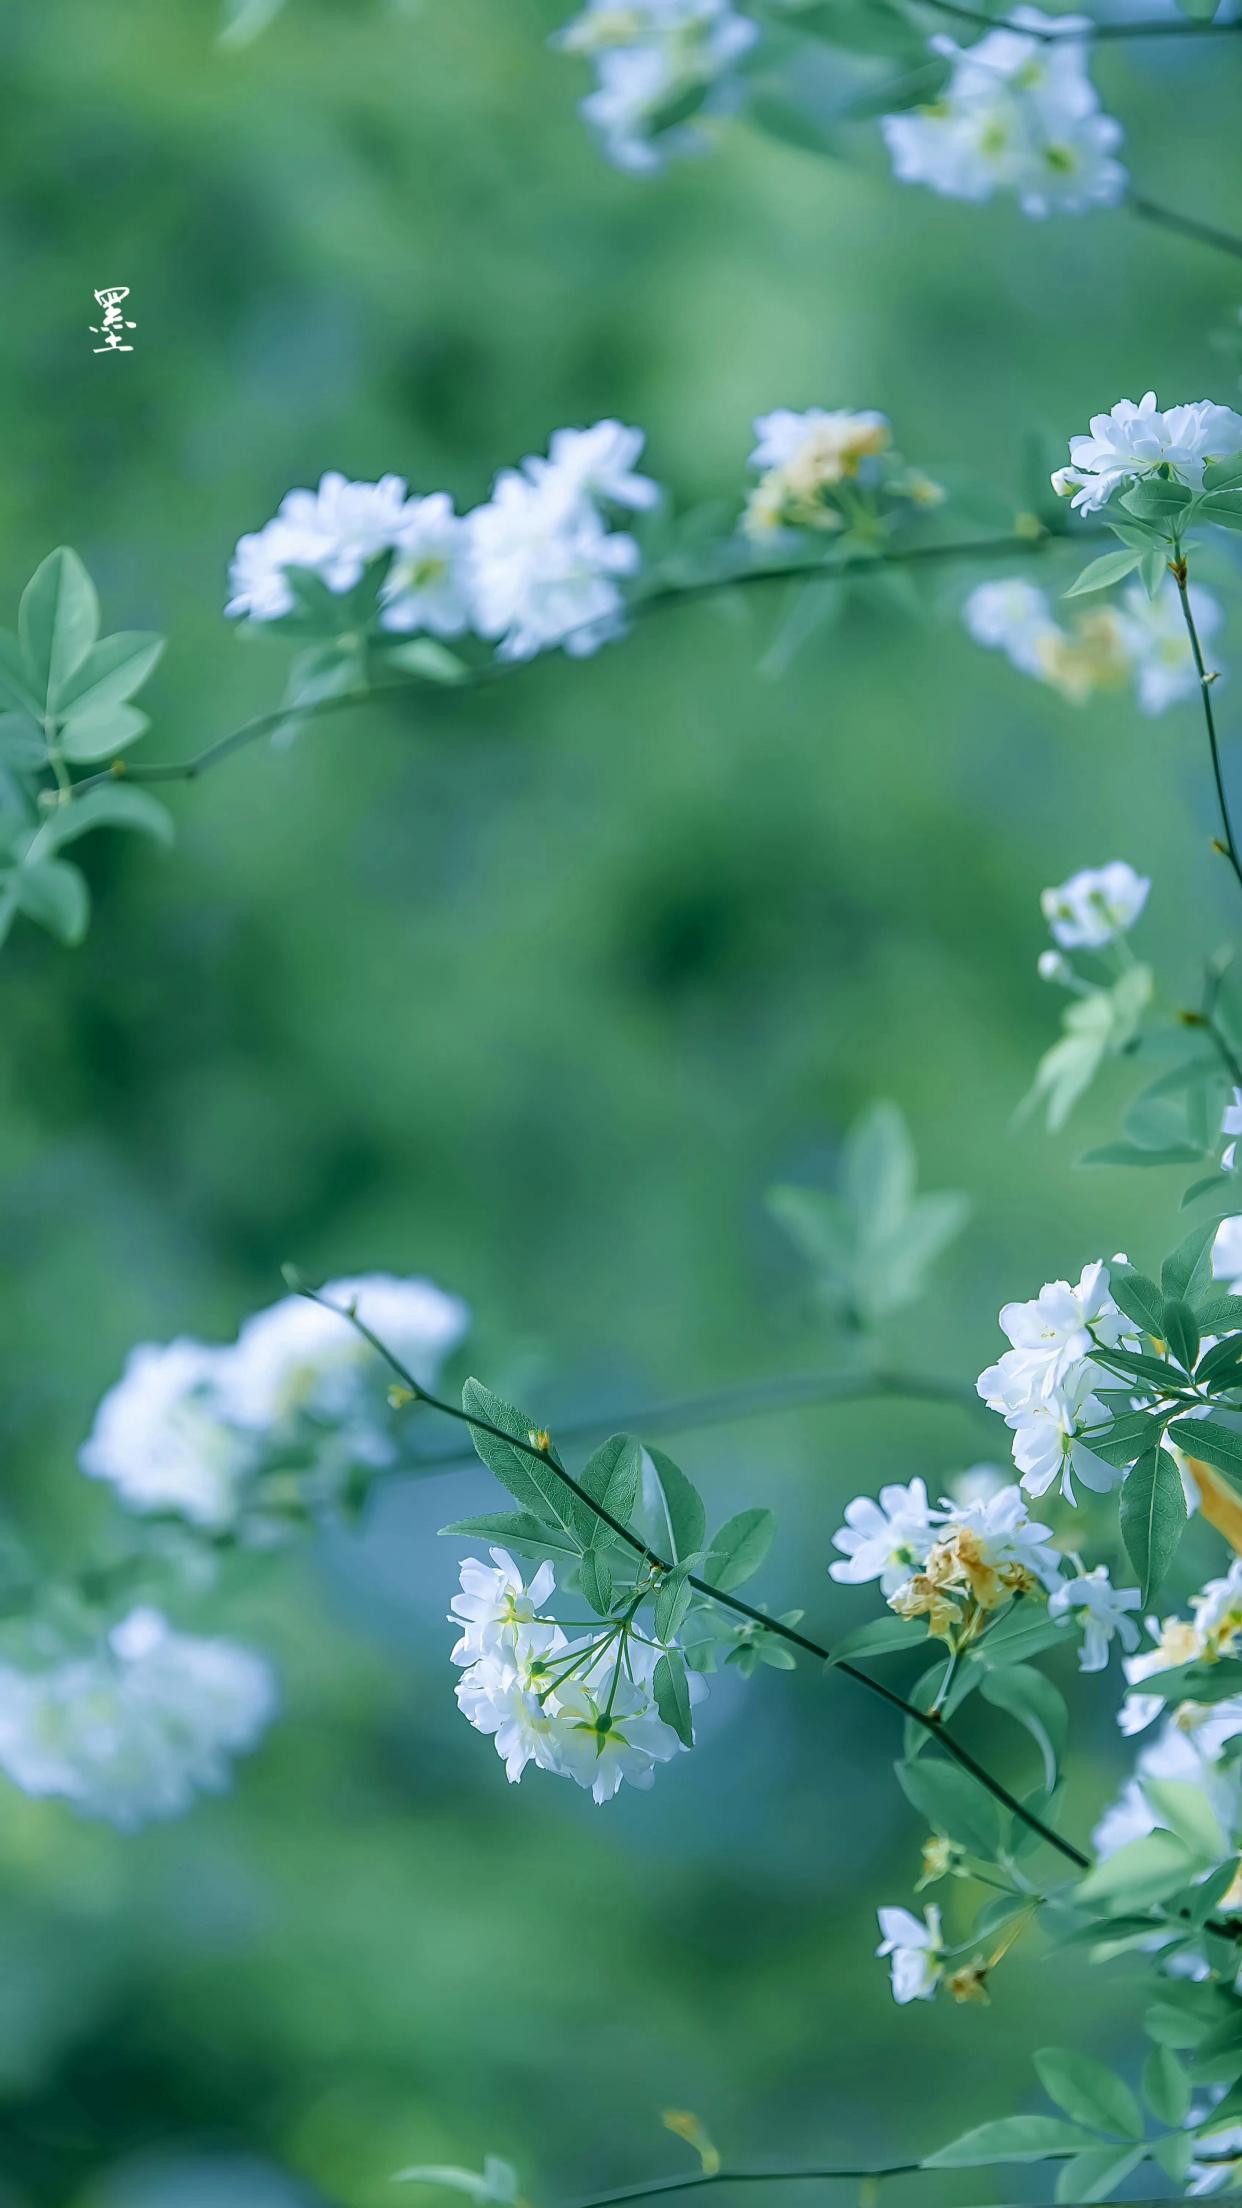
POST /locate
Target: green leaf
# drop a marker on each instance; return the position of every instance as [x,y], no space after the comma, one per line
[110,673]
[1011,2139]
[57,623]
[668,1514]
[17,688]
[112,805]
[1139,1874]
[520,1530]
[739,1549]
[1138,1297]
[496,2186]
[1186,1810]
[672,1696]
[1153,1517]
[1180,1332]
[1128,1437]
[1219,1366]
[1098,574]
[54,893]
[1220,1314]
[595,1579]
[533,1484]
[1224,508]
[430,661]
[879,1637]
[671,1605]
[22,743]
[102,730]
[1218,1445]
[1033,1700]
[1190,1267]
[1088,2092]
[1095,2174]
[1222,475]
[1217,1682]
[954,1803]
[1157,499]
[1141,1154]
[611,1476]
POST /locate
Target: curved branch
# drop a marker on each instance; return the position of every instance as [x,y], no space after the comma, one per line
[673,594]
[544,1454]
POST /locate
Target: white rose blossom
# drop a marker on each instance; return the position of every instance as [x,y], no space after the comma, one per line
[1019,113]
[1105,1614]
[1130,442]
[1139,641]
[163,1435]
[647,55]
[1094,907]
[884,1540]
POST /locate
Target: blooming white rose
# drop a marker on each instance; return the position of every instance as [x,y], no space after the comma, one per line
[1095,906]
[597,464]
[1014,617]
[1132,441]
[916,1951]
[1001,1532]
[163,1435]
[1105,1614]
[1155,636]
[135,1731]
[545,569]
[500,1614]
[1047,1422]
[647,55]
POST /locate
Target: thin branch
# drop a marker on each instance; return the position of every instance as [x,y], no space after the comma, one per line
[1186,27]
[1188,226]
[672,594]
[1229,846]
[544,1454]
[694,2180]
[726,1405]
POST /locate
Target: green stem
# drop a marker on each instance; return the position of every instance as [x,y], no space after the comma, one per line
[1187,226]
[726,1601]
[264,724]
[1180,575]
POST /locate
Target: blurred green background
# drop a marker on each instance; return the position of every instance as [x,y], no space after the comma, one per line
[536,991]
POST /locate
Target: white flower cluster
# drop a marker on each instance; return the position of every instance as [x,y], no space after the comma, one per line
[1140,642]
[959,1562]
[1095,906]
[1019,114]
[583,1709]
[814,466]
[189,1424]
[538,565]
[1131,442]
[138,1727]
[1191,1742]
[1044,1385]
[654,61]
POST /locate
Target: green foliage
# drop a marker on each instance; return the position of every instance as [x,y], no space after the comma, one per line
[1094,1028]
[1153,1517]
[871,1243]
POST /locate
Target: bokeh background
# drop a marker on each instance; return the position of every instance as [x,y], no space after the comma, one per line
[536,991]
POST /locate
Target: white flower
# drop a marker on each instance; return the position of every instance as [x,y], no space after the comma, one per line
[1155,636]
[1019,113]
[591,1722]
[1000,1532]
[500,1614]
[162,1435]
[335,531]
[545,569]
[817,448]
[884,1540]
[296,1356]
[1189,1748]
[1061,1325]
[138,1729]
[1095,906]
[599,1751]
[425,587]
[500,1699]
[1046,1423]
[1131,441]
[257,573]
[1013,617]
[917,1952]
[648,54]
[1105,1612]
[1218,1613]
[597,464]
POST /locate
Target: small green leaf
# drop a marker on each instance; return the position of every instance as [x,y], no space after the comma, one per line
[112,805]
[1186,1810]
[1137,1296]
[1098,574]
[110,673]
[672,1696]
[611,1476]
[1011,2139]
[1218,1445]
[1166,2087]
[99,731]
[520,1530]
[1095,2174]
[430,661]
[954,1803]
[17,687]
[671,1605]
[1190,1267]
[1180,1332]
[57,623]
[1088,2092]
[1153,1517]
[1157,499]
[1141,1873]
[55,894]
[739,1549]
[1037,1705]
[668,1513]
[532,1483]
[879,1637]
[595,1579]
